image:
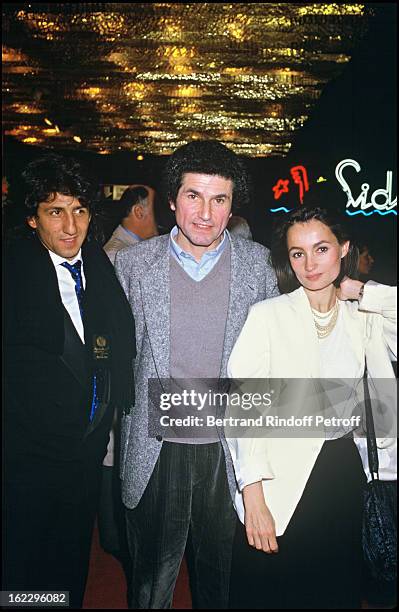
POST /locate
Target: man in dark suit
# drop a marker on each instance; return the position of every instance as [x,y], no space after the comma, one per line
[69,350]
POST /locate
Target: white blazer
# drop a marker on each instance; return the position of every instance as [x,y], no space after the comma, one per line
[279,340]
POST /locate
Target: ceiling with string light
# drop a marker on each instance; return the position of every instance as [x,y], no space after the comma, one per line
[149,77]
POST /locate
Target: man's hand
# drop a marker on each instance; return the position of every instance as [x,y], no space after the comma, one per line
[259,523]
[349,289]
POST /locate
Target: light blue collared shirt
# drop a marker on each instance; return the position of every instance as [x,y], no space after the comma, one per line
[132,234]
[197,270]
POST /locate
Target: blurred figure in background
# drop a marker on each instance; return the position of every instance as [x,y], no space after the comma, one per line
[137,224]
[366,262]
[138,219]
[238,226]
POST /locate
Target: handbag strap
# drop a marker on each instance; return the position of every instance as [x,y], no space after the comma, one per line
[372,452]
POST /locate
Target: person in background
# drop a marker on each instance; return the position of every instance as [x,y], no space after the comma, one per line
[68,350]
[238,226]
[138,223]
[366,262]
[190,291]
[300,499]
[138,219]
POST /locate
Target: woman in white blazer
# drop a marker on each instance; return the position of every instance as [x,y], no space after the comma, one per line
[300,499]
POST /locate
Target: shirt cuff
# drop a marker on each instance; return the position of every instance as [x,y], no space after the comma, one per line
[372,297]
[254,469]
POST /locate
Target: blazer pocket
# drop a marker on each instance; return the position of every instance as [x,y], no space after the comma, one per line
[125,435]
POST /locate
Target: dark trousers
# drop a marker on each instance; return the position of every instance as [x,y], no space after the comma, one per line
[111,518]
[187,497]
[318,565]
[48,531]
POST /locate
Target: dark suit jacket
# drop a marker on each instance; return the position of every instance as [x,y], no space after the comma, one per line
[48,370]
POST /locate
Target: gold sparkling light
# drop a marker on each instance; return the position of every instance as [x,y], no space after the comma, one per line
[91,92]
[172,29]
[187,91]
[51,131]
[153,76]
[136,91]
[23,109]
[331,8]
[12,55]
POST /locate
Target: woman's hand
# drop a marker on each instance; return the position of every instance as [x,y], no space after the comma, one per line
[259,523]
[349,289]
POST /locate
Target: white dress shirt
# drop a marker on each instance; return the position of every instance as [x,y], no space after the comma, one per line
[66,285]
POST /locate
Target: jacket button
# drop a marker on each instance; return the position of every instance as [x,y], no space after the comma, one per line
[158,438]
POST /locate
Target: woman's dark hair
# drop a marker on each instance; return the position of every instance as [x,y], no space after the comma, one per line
[51,174]
[286,279]
[206,157]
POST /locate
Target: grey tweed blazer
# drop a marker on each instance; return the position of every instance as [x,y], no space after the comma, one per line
[143,271]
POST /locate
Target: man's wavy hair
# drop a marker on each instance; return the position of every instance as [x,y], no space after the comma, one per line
[54,173]
[206,157]
[334,220]
[51,174]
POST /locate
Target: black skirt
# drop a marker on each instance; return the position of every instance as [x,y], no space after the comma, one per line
[320,556]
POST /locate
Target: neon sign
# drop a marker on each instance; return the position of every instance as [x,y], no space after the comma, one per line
[280,187]
[381,207]
[299,176]
[380,200]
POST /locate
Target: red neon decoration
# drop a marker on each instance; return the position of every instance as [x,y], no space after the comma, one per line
[280,187]
[300,177]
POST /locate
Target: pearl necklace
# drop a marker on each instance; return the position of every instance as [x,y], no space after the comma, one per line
[328,318]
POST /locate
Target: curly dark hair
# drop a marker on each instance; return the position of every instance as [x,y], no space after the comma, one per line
[334,220]
[51,174]
[206,157]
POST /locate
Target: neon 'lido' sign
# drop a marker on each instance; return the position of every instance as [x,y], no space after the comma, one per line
[380,202]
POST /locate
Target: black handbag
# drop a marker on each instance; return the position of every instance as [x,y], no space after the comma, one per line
[379,533]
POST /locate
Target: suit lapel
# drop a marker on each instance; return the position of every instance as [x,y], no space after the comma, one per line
[74,355]
[243,291]
[43,322]
[96,322]
[155,292]
[306,327]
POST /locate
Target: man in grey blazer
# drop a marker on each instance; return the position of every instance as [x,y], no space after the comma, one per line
[190,292]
